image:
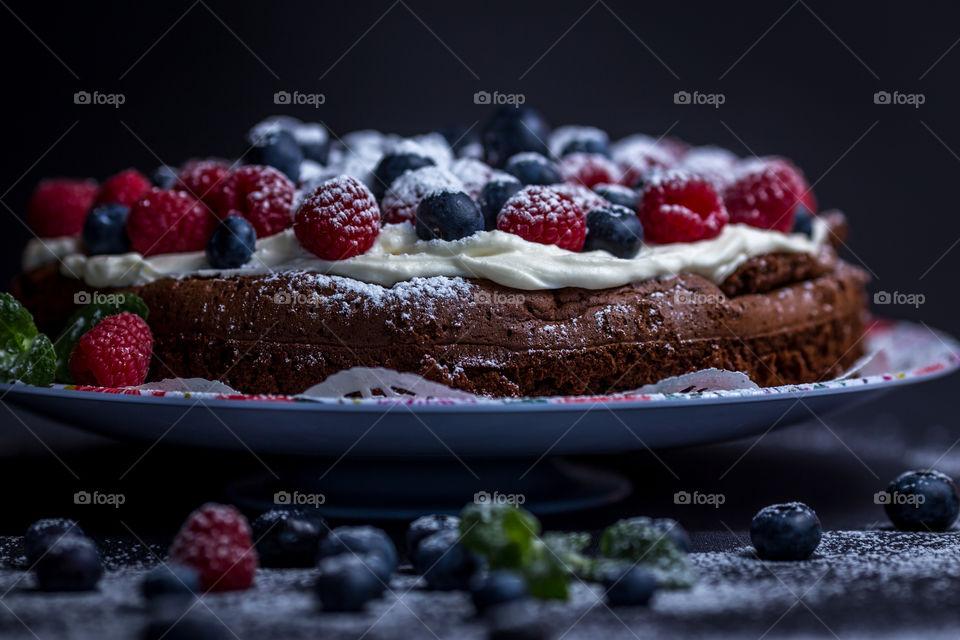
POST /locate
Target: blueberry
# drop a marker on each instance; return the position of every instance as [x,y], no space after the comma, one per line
[922,501]
[533,168]
[618,194]
[615,229]
[276,148]
[232,243]
[105,229]
[71,563]
[633,586]
[346,583]
[493,196]
[448,215]
[788,531]
[164,177]
[428,525]
[394,165]
[497,587]
[444,562]
[586,144]
[363,540]
[803,221]
[42,533]
[314,141]
[170,580]
[513,130]
[288,538]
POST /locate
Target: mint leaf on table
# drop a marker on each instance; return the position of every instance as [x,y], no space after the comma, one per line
[640,540]
[26,355]
[87,318]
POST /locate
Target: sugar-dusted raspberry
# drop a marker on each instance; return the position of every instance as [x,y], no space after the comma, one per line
[473,174]
[261,194]
[546,215]
[638,155]
[123,188]
[766,193]
[404,195]
[59,206]
[203,179]
[215,542]
[114,353]
[340,220]
[588,169]
[676,206]
[169,222]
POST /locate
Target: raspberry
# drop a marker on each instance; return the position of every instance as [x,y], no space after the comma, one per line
[340,220]
[404,195]
[59,206]
[215,542]
[766,193]
[124,188]
[588,169]
[114,353]
[203,179]
[546,215]
[677,206]
[262,195]
[169,222]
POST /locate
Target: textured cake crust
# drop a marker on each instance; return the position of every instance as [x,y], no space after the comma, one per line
[781,318]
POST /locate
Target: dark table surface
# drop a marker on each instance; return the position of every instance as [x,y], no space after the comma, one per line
[865,580]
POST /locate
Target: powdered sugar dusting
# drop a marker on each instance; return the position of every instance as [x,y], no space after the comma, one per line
[404,195]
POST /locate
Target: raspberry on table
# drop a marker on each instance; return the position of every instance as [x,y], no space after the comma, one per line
[546,215]
[215,542]
[114,353]
[123,188]
[676,206]
[340,220]
[59,206]
[203,179]
[261,194]
[588,169]
[169,222]
[766,194]
[401,200]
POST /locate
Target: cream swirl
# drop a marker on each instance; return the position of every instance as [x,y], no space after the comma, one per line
[509,260]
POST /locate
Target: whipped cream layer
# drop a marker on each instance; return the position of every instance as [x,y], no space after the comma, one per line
[398,255]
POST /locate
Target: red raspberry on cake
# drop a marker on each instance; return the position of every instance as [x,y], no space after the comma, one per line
[676,206]
[124,188]
[340,220]
[401,200]
[766,193]
[114,353]
[203,179]
[169,222]
[59,206]
[262,195]
[215,542]
[588,169]
[546,215]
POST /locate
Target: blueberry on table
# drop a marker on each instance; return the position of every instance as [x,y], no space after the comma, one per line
[427,525]
[105,230]
[444,562]
[513,130]
[345,582]
[71,563]
[618,194]
[614,229]
[394,165]
[169,580]
[922,501]
[232,243]
[493,195]
[448,215]
[629,587]
[533,168]
[368,541]
[276,148]
[789,531]
[42,533]
[497,587]
[288,537]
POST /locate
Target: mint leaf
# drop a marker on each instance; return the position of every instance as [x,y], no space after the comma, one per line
[25,354]
[502,533]
[545,574]
[640,540]
[569,547]
[87,318]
